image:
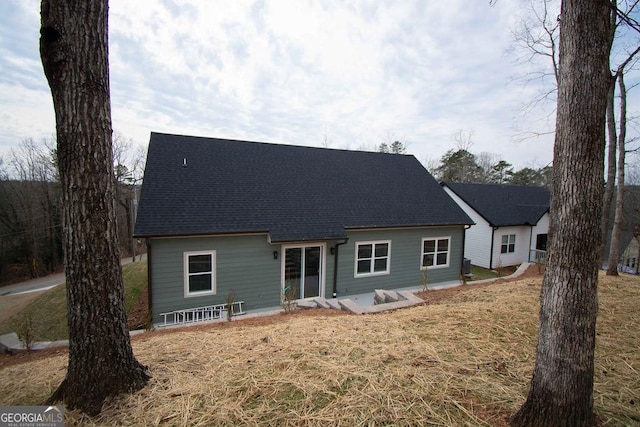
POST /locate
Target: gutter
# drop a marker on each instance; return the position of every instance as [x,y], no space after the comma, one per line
[204,234]
[335,267]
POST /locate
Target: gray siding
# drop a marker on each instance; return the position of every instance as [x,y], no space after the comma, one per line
[405,260]
[245,265]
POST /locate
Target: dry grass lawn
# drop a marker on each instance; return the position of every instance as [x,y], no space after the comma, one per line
[465,358]
[10,305]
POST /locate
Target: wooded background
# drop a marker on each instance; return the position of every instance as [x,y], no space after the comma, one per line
[30,211]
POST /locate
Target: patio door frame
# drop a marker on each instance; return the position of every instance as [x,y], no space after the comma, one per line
[321,272]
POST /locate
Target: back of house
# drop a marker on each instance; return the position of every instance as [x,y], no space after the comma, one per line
[256,222]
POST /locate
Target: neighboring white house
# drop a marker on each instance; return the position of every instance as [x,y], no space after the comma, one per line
[511,222]
[631,256]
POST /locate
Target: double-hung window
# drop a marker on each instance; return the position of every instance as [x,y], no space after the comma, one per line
[508,244]
[199,273]
[435,252]
[372,258]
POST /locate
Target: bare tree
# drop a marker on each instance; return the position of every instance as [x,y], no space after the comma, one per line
[30,209]
[612,147]
[536,36]
[463,139]
[74,53]
[29,212]
[487,161]
[561,391]
[430,164]
[128,162]
[616,137]
[632,170]
[614,250]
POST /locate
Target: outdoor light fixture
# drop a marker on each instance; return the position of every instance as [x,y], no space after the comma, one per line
[275,254]
[332,250]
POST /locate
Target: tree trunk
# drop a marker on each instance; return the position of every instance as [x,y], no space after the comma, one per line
[614,249]
[561,391]
[74,53]
[611,128]
[611,164]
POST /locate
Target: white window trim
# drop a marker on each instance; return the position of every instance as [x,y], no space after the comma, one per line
[373,251]
[185,264]
[509,243]
[422,253]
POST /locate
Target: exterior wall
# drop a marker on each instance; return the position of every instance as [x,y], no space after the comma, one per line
[477,245]
[245,265]
[542,227]
[405,260]
[631,255]
[523,243]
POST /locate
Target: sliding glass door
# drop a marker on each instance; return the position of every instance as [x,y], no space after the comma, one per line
[302,271]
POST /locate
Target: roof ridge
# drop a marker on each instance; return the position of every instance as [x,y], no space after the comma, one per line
[284,144]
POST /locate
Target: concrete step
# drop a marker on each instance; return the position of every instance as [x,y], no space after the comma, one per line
[333,303]
[352,307]
[306,304]
[321,302]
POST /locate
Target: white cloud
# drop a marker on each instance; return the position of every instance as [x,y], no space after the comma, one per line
[352,73]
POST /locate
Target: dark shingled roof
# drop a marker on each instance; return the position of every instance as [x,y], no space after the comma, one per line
[294,193]
[504,205]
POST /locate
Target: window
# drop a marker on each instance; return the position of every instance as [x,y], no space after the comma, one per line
[508,244]
[435,252]
[199,273]
[372,258]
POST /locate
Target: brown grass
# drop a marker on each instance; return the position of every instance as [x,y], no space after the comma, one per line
[465,359]
[10,305]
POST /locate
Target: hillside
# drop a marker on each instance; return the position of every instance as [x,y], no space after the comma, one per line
[464,358]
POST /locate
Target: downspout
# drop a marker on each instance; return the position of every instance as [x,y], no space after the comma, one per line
[335,267]
[493,237]
[530,244]
[149,279]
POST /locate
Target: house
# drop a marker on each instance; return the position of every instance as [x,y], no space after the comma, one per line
[252,221]
[630,227]
[630,259]
[511,222]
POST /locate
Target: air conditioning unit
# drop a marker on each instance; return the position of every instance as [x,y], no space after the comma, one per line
[466,267]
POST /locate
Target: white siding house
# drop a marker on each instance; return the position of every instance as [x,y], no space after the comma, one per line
[511,222]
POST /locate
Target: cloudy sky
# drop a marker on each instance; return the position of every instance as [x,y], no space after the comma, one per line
[334,73]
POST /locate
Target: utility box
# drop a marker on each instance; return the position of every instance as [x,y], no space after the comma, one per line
[466,267]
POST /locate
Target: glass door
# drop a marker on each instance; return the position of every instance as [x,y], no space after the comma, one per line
[302,271]
[311,281]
